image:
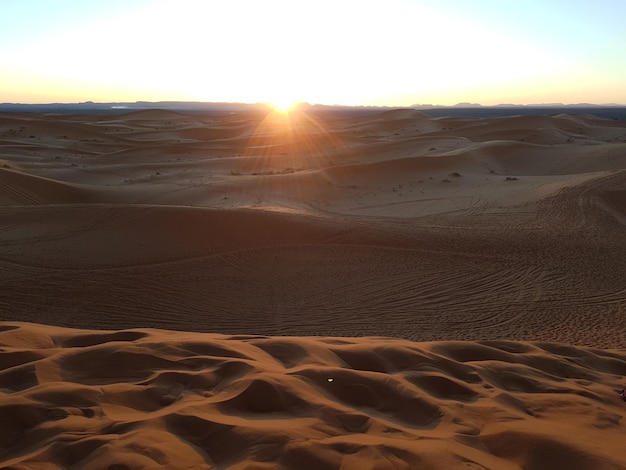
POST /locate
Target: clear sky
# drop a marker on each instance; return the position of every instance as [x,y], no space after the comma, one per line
[354,52]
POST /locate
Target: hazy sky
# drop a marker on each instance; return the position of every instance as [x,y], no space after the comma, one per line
[391,52]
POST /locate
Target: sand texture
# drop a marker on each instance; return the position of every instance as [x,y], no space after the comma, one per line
[146,398]
[235,278]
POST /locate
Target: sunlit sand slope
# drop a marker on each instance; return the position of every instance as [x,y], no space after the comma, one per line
[146,398]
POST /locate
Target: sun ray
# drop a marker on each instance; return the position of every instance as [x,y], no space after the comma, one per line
[285,153]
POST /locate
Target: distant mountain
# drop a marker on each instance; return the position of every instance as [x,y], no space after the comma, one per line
[461,110]
[468,110]
[89,107]
[510,105]
[468,105]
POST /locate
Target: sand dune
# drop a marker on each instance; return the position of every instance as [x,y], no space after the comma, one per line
[499,241]
[347,222]
[20,188]
[153,398]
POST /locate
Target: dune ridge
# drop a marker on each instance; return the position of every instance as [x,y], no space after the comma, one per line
[144,398]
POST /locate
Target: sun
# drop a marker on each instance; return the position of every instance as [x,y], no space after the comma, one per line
[283,105]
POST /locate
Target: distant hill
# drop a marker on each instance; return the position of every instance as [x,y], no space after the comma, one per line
[608,111]
[508,105]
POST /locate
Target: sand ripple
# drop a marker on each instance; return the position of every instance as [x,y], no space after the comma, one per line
[155,398]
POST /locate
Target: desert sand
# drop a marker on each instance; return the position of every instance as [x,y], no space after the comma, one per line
[144,398]
[357,288]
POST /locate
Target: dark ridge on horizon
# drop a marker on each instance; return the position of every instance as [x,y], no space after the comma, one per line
[511,105]
[469,110]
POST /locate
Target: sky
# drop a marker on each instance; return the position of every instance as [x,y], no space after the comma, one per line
[350,52]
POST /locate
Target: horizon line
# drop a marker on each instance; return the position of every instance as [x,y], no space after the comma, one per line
[304,103]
